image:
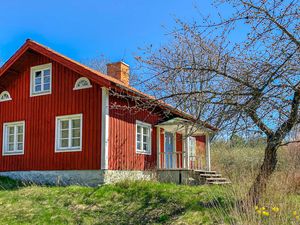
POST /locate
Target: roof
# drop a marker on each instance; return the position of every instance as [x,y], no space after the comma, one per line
[92,74]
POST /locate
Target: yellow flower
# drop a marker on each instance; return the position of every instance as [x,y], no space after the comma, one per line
[256,207]
[297,217]
[265,213]
[258,212]
[275,209]
[294,213]
[263,208]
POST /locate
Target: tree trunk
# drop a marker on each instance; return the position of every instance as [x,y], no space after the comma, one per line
[260,184]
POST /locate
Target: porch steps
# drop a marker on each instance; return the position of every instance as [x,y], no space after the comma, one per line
[208,177]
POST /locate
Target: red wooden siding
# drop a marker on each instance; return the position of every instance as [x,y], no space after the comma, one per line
[122,138]
[200,148]
[39,114]
[179,149]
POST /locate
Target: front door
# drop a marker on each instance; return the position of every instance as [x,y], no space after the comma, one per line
[169,145]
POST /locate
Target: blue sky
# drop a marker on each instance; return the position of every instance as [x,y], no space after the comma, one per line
[90,28]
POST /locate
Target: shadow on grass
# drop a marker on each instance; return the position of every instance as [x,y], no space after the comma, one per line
[7,183]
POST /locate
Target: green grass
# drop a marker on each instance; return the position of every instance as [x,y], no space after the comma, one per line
[122,203]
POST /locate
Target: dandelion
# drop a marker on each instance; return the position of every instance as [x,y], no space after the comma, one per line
[294,213]
[265,213]
[297,217]
[256,207]
[262,208]
[275,209]
[258,212]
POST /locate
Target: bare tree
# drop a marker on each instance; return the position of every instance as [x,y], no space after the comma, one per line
[250,85]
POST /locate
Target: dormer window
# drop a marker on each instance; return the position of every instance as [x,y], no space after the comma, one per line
[40,81]
[82,83]
[5,96]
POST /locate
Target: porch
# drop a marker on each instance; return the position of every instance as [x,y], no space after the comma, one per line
[183,145]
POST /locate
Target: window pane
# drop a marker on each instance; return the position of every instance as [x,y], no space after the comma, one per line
[46,86]
[38,81]
[138,145]
[38,74]
[75,123]
[145,138]
[20,138]
[20,129]
[64,124]
[145,130]
[75,133]
[47,79]
[145,146]
[10,147]
[47,72]
[11,130]
[76,142]
[11,138]
[37,88]
[20,146]
[64,143]
[138,137]
[139,129]
[64,134]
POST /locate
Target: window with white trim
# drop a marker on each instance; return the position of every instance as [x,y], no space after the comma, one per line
[13,138]
[68,133]
[5,96]
[143,138]
[82,83]
[40,80]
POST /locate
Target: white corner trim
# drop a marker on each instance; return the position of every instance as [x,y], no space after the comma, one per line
[76,87]
[75,149]
[32,71]
[4,142]
[6,99]
[105,128]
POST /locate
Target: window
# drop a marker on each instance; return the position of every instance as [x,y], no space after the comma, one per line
[13,138]
[40,80]
[143,138]
[192,146]
[82,83]
[68,133]
[4,96]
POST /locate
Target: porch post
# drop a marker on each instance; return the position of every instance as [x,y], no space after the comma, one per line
[158,147]
[186,149]
[208,162]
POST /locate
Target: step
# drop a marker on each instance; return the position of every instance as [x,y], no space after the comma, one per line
[219,182]
[205,172]
[210,175]
[216,179]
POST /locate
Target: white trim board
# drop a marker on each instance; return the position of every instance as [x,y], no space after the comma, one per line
[105,128]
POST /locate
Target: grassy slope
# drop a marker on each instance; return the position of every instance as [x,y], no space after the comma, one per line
[123,203]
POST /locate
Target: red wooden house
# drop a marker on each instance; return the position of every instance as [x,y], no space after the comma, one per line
[64,122]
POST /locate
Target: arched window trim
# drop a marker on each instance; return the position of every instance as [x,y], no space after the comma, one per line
[76,87]
[6,99]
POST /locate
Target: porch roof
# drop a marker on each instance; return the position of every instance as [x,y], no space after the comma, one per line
[184,126]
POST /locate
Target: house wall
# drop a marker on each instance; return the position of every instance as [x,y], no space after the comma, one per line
[122,137]
[39,114]
[201,149]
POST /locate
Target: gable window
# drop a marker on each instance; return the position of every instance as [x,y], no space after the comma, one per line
[40,80]
[82,83]
[5,96]
[13,138]
[143,138]
[68,133]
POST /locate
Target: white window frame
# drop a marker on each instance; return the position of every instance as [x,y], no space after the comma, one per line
[149,126]
[84,87]
[5,93]
[35,69]
[5,150]
[57,133]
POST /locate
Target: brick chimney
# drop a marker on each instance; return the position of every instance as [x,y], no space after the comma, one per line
[119,70]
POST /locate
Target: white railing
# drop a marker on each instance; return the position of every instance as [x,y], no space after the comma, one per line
[171,160]
[177,160]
